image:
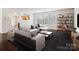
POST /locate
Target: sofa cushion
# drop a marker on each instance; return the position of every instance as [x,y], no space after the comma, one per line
[26,34]
[33,31]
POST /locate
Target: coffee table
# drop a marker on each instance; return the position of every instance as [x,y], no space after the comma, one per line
[48,34]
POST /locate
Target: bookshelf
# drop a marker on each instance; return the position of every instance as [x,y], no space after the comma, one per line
[67,19]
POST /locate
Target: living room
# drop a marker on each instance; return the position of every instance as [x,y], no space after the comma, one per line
[39,29]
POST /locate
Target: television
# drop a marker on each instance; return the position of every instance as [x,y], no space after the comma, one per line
[77,20]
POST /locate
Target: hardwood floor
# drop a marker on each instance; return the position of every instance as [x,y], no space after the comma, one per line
[59,37]
[5,45]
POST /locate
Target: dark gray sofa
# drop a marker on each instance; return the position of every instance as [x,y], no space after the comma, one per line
[24,41]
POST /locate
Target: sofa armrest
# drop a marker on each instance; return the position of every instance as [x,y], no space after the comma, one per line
[40,41]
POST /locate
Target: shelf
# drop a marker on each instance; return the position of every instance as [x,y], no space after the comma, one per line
[66,19]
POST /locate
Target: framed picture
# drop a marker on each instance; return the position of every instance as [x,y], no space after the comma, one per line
[25,17]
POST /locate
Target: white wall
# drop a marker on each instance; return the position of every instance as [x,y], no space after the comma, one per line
[76,11]
[54,13]
[26,23]
[6,24]
[0,19]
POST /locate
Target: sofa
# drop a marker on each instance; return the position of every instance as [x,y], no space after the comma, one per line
[40,41]
[29,42]
[32,31]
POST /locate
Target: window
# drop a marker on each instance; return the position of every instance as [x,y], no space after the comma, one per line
[44,18]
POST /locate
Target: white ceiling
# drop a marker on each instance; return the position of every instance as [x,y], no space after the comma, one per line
[30,9]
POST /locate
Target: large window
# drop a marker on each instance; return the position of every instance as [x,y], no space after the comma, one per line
[44,18]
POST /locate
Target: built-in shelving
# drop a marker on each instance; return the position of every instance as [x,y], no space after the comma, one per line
[67,19]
